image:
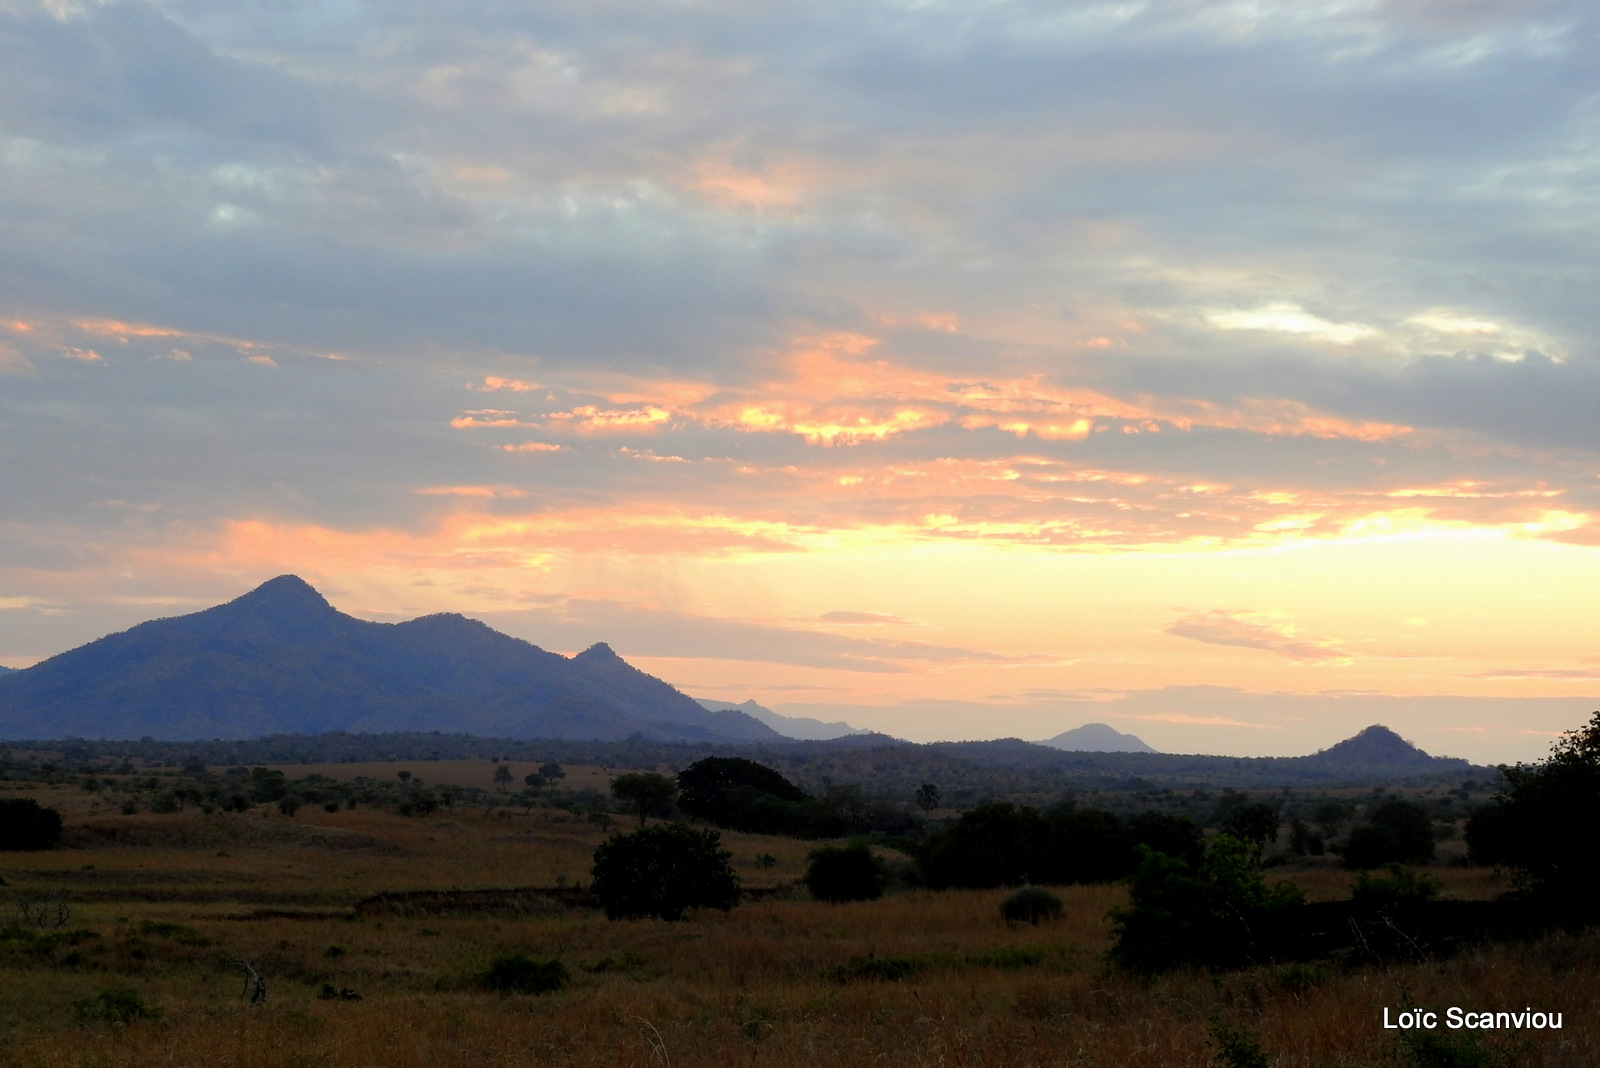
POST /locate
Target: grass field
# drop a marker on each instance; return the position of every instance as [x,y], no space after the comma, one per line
[160,905]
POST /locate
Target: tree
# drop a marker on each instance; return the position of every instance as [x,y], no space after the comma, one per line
[533,780]
[1253,822]
[645,792]
[1397,832]
[663,871]
[927,797]
[845,873]
[25,825]
[1084,846]
[502,775]
[1176,836]
[552,771]
[742,795]
[997,844]
[1545,824]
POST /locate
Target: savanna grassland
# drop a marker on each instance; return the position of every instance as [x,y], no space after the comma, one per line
[161,904]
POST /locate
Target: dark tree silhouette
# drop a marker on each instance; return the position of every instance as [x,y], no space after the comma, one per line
[845,873]
[26,824]
[742,795]
[502,776]
[1252,822]
[1546,824]
[927,797]
[663,871]
[1397,832]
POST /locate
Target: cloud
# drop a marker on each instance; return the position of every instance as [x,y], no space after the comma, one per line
[1251,630]
[658,633]
[871,619]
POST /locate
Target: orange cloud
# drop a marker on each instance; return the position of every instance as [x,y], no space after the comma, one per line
[492,384]
[1269,632]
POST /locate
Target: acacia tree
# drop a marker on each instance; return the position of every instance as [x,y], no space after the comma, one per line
[645,792]
[502,775]
[663,871]
[927,797]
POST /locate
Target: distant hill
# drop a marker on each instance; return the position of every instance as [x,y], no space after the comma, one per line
[1375,747]
[799,727]
[4,671]
[1097,738]
[282,660]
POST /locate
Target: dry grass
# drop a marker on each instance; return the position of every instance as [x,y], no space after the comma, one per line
[744,988]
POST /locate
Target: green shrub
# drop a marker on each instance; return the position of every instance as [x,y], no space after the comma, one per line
[177,932]
[1011,957]
[1031,904]
[1180,913]
[1237,1047]
[26,825]
[1402,885]
[845,873]
[876,969]
[518,973]
[117,1005]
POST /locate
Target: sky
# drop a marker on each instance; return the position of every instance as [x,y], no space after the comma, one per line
[1223,371]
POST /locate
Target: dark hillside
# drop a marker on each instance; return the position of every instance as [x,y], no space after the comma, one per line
[282,660]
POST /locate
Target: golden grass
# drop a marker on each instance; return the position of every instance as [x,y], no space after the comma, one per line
[475,773]
[744,988]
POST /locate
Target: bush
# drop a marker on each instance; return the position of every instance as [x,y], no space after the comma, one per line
[26,825]
[1237,1047]
[845,873]
[1031,904]
[1403,885]
[1181,913]
[663,871]
[876,969]
[521,974]
[118,1005]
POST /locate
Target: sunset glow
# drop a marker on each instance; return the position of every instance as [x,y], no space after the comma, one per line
[957,371]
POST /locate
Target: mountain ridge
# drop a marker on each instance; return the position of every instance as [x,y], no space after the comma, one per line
[800,728]
[282,659]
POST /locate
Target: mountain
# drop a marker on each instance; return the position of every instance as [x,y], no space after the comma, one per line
[1376,747]
[4,671]
[799,727]
[282,660]
[1097,738]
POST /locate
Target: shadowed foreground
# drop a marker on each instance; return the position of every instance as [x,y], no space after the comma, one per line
[918,978]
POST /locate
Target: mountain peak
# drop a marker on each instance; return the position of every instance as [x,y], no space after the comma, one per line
[598,653]
[1376,744]
[288,591]
[1098,738]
